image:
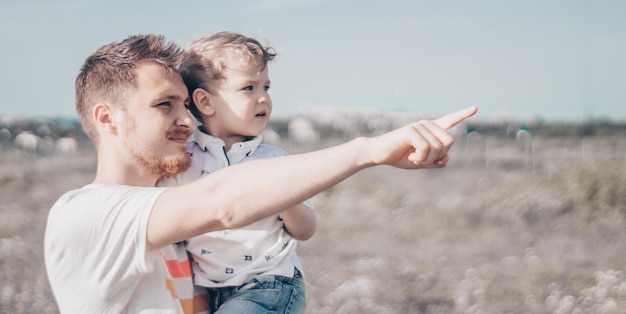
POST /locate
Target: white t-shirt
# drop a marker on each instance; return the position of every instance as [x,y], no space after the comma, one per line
[232,257]
[96,259]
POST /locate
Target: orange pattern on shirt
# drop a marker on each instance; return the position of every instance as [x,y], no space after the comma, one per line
[192,300]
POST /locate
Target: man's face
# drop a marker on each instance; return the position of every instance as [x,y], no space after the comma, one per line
[156,123]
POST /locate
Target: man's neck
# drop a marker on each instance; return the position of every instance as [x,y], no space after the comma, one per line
[112,170]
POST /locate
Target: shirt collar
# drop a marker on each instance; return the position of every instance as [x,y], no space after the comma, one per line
[206,141]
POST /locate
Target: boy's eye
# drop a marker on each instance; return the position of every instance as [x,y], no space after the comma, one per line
[267,87]
[249,87]
[164,104]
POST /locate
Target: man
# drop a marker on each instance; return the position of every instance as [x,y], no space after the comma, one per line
[110,246]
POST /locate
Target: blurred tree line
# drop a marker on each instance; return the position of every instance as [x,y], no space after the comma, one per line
[44,128]
[587,128]
[54,128]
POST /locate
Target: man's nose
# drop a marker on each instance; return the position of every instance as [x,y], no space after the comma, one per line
[185,119]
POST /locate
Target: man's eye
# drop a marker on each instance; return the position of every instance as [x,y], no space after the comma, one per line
[248,88]
[164,104]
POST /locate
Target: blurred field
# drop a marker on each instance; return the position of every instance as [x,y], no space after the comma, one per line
[509,226]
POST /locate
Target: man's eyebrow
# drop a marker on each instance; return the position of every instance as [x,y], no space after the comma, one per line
[173,97]
[176,97]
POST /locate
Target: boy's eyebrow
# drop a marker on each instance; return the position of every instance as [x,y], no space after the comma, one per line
[251,81]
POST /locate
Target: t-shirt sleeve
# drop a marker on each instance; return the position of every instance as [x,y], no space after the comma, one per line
[126,226]
[107,233]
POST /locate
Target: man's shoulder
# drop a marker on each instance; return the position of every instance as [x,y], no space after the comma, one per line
[103,189]
[96,195]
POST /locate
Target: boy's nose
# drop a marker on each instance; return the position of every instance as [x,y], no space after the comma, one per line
[264,99]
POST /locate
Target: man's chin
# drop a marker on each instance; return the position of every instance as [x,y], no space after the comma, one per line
[168,166]
[175,166]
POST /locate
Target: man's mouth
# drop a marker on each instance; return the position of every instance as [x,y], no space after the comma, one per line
[179,135]
[179,139]
[260,114]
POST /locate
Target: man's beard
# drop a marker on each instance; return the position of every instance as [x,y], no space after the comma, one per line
[162,166]
[165,166]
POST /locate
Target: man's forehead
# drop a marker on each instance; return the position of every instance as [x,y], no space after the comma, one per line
[160,82]
[154,75]
[148,70]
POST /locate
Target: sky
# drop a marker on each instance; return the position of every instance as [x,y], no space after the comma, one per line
[552,60]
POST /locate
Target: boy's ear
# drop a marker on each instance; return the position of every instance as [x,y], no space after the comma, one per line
[103,116]
[202,99]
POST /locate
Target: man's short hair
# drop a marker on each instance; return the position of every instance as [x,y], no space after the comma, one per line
[108,75]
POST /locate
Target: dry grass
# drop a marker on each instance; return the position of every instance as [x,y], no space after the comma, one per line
[481,236]
[29,188]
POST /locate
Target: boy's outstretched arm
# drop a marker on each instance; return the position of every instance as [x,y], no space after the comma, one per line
[244,193]
[300,221]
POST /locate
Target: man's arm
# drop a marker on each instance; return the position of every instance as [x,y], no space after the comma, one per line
[244,193]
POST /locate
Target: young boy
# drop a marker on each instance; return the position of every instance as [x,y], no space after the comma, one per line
[254,268]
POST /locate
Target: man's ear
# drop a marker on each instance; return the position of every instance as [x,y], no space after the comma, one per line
[103,116]
[202,100]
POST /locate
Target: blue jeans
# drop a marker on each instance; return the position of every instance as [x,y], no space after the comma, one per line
[262,294]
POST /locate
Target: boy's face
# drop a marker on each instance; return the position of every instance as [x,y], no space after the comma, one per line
[242,104]
[156,124]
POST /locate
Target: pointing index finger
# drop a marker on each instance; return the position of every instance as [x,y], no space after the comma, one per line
[454,118]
